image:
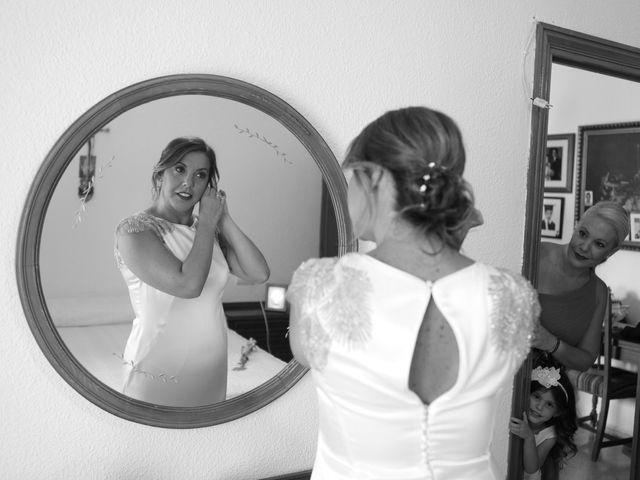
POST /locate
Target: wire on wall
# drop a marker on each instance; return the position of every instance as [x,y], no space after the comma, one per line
[527,85]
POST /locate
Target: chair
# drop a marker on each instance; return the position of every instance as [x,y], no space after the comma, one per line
[605,382]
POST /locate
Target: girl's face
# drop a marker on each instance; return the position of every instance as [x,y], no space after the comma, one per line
[592,242]
[542,407]
[184,183]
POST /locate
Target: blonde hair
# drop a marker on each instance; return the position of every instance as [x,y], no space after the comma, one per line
[612,213]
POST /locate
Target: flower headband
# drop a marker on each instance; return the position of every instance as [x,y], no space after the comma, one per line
[548,377]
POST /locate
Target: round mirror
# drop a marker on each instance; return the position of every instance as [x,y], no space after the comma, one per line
[285,189]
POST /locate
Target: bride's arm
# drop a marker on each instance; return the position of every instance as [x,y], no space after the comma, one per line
[243,256]
[147,257]
[295,336]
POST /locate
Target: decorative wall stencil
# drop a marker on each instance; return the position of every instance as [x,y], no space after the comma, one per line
[262,138]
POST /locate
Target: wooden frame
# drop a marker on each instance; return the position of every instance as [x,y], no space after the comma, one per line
[609,169]
[304,475]
[559,160]
[567,47]
[33,217]
[552,217]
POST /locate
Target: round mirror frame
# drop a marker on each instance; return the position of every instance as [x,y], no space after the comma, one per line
[32,220]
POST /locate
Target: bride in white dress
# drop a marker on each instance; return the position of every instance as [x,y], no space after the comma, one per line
[411,344]
[175,266]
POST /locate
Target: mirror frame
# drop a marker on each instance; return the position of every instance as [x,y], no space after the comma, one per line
[566,47]
[39,196]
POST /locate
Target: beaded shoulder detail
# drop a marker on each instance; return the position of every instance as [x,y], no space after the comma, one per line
[514,314]
[331,299]
[141,222]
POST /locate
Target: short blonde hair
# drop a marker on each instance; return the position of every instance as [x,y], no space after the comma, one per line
[614,215]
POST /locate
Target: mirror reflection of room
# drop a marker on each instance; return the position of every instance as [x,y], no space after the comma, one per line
[90,304]
[585,103]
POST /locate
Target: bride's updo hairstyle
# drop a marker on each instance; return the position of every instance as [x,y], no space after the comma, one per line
[423,151]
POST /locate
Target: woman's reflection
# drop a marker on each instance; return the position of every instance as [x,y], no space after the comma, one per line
[573,298]
[175,265]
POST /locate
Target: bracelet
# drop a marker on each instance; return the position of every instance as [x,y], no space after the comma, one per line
[553,350]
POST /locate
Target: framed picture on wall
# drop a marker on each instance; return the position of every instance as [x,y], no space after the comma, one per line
[635,227]
[552,217]
[608,168]
[559,159]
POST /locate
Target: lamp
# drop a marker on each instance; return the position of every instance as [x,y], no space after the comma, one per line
[276,298]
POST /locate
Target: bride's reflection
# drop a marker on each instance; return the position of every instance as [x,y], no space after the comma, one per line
[275,192]
[175,266]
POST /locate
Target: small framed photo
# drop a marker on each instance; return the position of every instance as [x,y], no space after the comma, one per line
[558,164]
[608,168]
[276,298]
[635,227]
[552,217]
[588,198]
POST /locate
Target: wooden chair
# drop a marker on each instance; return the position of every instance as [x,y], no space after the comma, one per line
[605,382]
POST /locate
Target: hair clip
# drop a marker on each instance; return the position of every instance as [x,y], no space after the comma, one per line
[548,377]
[423,183]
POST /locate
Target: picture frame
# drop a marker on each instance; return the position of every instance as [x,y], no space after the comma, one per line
[552,217]
[559,161]
[609,169]
[634,218]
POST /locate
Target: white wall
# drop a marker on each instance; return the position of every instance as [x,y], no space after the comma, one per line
[340,64]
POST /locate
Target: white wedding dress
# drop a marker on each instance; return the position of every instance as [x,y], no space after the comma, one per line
[176,354]
[359,319]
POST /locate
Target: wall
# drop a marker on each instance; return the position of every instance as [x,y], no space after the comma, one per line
[340,64]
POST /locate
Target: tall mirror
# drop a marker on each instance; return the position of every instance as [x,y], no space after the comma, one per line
[283,186]
[592,87]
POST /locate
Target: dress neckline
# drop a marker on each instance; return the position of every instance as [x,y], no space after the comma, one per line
[575,291]
[425,282]
[194,223]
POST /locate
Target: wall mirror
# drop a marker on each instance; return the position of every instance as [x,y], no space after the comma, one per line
[561,53]
[284,187]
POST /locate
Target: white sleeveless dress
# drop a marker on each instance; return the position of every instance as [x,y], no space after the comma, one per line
[358,321]
[541,436]
[176,354]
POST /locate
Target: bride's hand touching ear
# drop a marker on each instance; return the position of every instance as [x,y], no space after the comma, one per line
[212,206]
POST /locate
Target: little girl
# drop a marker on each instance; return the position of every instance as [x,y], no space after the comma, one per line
[547,427]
